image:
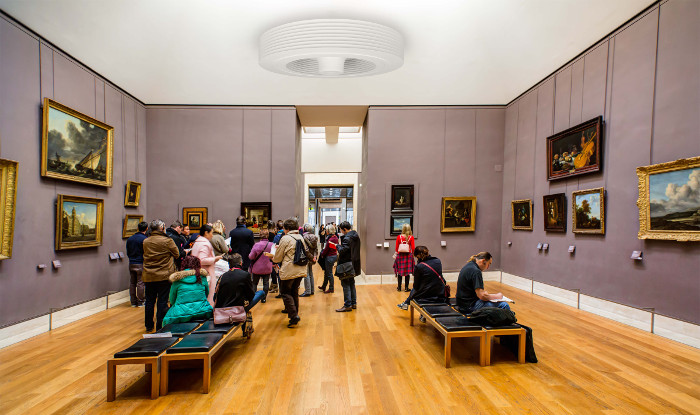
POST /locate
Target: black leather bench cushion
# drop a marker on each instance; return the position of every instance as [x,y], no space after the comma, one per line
[178,329]
[147,347]
[453,301]
[195,343]
[440,311]
[424,303]
[457,323]
[513,326]
[209,327]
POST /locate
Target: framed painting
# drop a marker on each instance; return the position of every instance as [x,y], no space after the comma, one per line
[78,222]
[132,194]
[458,214]
[669,200]
[194,217]
[256,215]
[575,151]
[75,146]
[402,198]
[554,208]
[131,225]
[521,214]
[8,201]
[588,211]
[397,222]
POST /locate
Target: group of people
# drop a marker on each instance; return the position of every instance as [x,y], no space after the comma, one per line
[200,272]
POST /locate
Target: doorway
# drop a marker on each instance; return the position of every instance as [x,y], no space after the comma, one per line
[330,204]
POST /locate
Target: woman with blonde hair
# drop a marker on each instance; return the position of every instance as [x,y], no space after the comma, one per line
[220,248]
[403,255]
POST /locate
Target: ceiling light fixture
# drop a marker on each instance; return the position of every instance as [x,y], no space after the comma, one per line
[331,48]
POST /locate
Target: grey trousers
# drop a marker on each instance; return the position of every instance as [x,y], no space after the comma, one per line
[309,279]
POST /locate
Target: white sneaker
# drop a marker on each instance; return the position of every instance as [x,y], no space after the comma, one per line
[422,319]
[402,306]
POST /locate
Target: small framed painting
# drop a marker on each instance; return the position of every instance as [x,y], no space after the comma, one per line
[131,225]
[521,214]
[588,211]
[194,217]
[78,222]
[132,194]
[575,151]
[256,215]
[402,198]
[8,198]
[397,222]
[458,214]
[554,207]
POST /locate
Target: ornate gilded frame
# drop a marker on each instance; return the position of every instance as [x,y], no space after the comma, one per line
[45,172]
[126,194]
[199,211]
[8,201]
[472,213]
[512,214]
[643,173]
[60,244]
[125,233]
[575,227]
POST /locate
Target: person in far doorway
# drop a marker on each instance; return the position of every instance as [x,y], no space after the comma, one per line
[428,281]
[134,250]
[471,294]
[330,255]
[403,254]
[349,252]
[322,235]
[312,245]
[242,240]
[260,265]
[159,254]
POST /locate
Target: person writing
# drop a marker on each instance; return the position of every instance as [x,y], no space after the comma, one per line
[471,294]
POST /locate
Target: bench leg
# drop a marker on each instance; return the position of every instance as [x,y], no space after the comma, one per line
[163,376]
[487,350]
[521,347]
[448,350]
[206,378]
[410,310]
[111,381]
[155,380]
[482,350]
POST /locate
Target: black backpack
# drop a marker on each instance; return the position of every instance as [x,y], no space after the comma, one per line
[493,317]
[301,254]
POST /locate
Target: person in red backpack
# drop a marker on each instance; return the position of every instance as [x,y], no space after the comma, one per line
[403,256]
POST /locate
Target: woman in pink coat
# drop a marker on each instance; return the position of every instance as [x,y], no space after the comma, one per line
[204,250]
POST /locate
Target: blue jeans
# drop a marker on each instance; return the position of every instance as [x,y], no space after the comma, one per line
[349,292]
[259,295]
[328,272]
[481,304]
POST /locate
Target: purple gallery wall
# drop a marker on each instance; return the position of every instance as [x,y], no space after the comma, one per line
[218,157]
[30,70]
[644,80]
[442,151]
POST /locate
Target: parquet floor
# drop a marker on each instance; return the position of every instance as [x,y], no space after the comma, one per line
[367,361]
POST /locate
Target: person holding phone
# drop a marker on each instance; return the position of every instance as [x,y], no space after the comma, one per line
[349,265]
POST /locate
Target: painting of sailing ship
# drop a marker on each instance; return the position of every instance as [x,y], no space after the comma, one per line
[75,146]
[575,151]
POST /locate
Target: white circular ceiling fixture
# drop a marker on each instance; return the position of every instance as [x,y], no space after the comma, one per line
[331,48]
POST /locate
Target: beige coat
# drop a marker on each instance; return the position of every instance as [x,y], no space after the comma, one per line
[285,255]
[159,252]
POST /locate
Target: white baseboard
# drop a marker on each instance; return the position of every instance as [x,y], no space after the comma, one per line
[30,328]
[515,281]
[677,330]
[621,313]
[557,294]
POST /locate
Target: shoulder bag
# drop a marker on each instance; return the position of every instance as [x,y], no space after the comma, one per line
[345,271]
[447,287]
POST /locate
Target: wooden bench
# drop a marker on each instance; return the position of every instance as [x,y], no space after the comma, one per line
[513,330]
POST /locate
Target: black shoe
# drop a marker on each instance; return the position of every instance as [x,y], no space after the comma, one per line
[278,296]
[354,306]
[293,321]
[398,289]
[406,290]
[305,295]
[322,288]
[264,300]
[283,311]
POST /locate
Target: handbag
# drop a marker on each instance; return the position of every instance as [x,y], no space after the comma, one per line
[229,315]
[404,247]
[447,287]
[345,271]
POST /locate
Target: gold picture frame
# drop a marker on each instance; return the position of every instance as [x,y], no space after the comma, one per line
[672,219]
[194,217]
[588,211]
[8,202]
[458,214]
[74,217]
[521,214]
[132,194]
[87,160]
[130,226]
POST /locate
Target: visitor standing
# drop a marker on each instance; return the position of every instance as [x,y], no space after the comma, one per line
[261,265]
[290,273]
[403,256]
[349,265]
[312,245]
[203,249]
[242,240]
[159,254]
[134,250]
[330,255]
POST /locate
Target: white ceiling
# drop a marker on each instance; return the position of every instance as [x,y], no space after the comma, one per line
[458,52]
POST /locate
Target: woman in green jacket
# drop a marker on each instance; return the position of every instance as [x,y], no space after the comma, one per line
[188,294]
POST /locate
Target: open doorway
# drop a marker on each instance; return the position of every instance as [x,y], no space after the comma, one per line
[331,204]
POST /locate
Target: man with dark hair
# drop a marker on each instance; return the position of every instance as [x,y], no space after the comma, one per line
[174,232]
[134,250]
[471,294]
[349,252]
[159,253]
[242,241]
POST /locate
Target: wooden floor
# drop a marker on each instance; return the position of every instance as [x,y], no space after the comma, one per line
[367,361]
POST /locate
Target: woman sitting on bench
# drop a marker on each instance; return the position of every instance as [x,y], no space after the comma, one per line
[428,283]
[188,294]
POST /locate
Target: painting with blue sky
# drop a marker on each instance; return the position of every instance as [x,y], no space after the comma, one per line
[674,200]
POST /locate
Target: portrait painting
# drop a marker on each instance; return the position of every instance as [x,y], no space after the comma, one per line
[75,146]
[402,198]
[397,222]
[458,214]
[256,215]
[588,211]
[669,200]
[131,225]
[8,200]
[132,194]
[521,214]
[78,222]
[554,207]
[194,217]
[575,151]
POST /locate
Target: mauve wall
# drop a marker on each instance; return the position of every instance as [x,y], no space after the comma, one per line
[218,157]
[443,152]
[645,81]
[29,71]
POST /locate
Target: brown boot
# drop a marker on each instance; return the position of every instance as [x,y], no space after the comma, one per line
[344,309]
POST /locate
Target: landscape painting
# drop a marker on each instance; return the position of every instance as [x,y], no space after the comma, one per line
[521,214]
[397,223]
[78,222]
[75,146]
[576,150]
[131,225]
[669,200]
[458,214]
[554,207]
[589,211]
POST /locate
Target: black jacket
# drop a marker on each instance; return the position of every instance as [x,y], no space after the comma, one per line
[426,283]
[179,242]
[234,288]
[242,241]
[349,251]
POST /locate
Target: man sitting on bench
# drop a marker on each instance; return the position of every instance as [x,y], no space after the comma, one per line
[471,294]
[427,279]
